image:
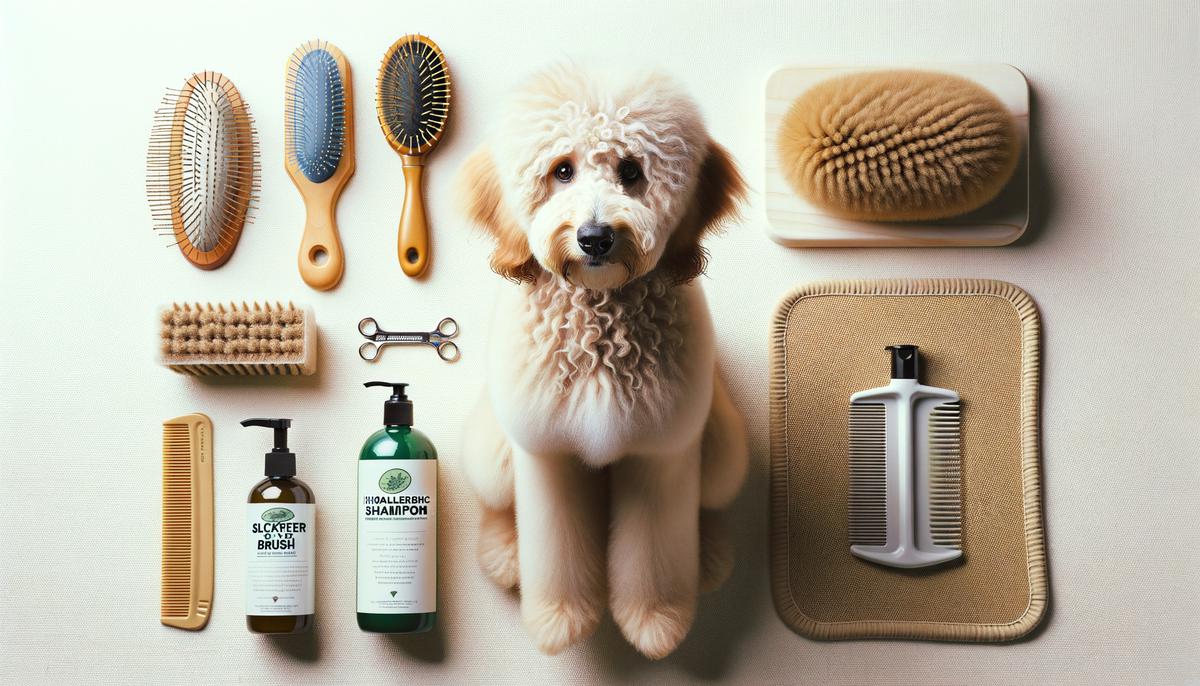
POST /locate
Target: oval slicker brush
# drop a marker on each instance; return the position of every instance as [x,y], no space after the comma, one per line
[319,143]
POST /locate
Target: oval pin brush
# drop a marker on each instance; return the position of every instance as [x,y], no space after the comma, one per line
[413,102]
[202,168]
[318,116]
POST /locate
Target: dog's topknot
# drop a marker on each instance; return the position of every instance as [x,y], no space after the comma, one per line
[687,184]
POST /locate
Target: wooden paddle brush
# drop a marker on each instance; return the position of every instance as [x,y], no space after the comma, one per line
[319,141]
[413,103]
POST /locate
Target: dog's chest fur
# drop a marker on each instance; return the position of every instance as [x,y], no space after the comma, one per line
[602,373]
[624,341]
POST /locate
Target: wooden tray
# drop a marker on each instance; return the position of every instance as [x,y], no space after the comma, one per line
[793,221]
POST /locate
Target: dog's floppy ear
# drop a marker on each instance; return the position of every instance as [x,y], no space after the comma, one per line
[720,189]
[483,201]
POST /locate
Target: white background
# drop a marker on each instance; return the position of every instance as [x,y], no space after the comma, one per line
[1111,261]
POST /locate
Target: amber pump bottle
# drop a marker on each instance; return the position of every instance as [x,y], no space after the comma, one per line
[281,530]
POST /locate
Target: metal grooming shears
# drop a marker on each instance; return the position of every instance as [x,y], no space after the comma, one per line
[439,338]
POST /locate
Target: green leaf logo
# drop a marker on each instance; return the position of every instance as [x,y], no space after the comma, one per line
[278,514]
[394,481]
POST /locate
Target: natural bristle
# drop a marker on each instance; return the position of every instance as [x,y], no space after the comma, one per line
[315,112]
[413,94]
[868,474]
[897,146]
[238,339]
[202,168]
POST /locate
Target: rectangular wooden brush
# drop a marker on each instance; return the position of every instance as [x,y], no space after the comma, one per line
[238,340]
[187,522]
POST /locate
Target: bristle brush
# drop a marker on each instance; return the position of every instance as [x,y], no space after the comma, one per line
[413,103]
[319,144]
[202,168]
[238,339]
[895,146]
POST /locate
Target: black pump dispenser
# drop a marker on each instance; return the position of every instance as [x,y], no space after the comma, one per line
[398,410]
[905,361]
[280,462]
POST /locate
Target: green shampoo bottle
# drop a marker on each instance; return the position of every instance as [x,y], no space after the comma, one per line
[397,523]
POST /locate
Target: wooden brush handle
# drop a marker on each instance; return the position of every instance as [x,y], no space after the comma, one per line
[412,246]
[321,236]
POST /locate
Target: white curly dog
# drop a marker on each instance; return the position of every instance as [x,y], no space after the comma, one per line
[605,441]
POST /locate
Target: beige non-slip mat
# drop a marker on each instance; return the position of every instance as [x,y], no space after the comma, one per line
[980,338]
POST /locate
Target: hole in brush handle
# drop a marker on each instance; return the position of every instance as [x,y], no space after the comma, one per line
[413,245]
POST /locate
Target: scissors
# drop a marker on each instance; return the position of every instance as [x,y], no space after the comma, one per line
[439,338]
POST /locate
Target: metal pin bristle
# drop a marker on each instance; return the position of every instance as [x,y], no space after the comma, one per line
[945,475]
[201,165]
[413,95]
[868,476]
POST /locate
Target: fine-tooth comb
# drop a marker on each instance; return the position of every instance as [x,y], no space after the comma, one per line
[413,103]
[202,168]
[905,506]
[187,522]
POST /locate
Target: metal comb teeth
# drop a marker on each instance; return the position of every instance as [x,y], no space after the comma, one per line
[868,474]
[316,112]
[945,475]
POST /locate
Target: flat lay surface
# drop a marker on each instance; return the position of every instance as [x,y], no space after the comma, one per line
[1109,259]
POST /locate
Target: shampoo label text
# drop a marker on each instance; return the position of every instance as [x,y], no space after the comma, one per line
[280,578]
[397,536]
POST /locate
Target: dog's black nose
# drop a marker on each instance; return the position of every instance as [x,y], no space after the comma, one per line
[595,239]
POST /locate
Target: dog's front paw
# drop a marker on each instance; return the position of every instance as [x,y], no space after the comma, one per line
[555,625]
[716,553]
[654,629]
[498,547]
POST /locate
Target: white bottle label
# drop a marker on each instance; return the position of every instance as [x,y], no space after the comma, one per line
[397,536]
[280,559]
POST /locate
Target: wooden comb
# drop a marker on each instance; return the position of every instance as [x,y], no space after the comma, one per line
[187,522]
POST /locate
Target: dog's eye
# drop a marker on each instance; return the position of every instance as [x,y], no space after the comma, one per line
[564,172]
[629,171]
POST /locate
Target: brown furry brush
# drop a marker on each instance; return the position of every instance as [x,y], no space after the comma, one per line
[898,146]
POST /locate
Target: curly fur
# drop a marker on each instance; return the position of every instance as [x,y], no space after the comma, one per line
[628,336]
[566,110]
[605,429]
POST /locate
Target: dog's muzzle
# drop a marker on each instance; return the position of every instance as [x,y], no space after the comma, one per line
[596,239]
